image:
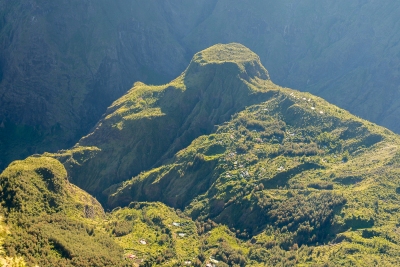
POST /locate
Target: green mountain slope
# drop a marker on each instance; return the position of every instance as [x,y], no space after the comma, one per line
[292,171]
[51,222]
[301,181]
[219,166]
[294,168]
[151,123]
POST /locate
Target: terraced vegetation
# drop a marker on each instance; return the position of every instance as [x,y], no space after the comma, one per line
[219,166]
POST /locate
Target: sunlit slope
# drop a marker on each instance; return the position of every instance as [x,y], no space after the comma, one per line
[293,142]
[281,169]
[151,123]
[52,222]
[155,233]
[288,171]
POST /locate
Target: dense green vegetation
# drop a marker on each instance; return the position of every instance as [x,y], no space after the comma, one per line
[4,260]
[219,166]
[53,223]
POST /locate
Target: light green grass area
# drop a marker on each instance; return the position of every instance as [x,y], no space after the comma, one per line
[150,233]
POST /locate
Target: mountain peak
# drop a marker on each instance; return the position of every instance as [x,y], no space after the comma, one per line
[221,53]
[248,62]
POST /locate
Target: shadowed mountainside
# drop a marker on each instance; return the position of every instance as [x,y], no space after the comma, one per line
[63,63]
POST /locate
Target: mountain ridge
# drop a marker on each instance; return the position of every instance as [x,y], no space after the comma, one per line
[190,105]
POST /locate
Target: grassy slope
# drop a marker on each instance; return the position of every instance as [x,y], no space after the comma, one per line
[51,222]
[332,162]
[153,223]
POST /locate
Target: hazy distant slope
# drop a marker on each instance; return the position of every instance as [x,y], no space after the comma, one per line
[63,63]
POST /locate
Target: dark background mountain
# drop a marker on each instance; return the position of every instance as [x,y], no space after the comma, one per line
[63,62]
